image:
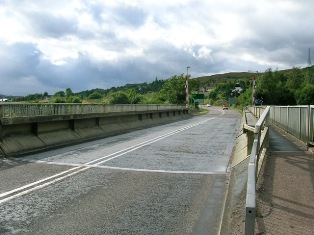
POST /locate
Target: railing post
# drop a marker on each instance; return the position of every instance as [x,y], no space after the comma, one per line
[267,125]
[250,140]
[1,138]
[300,124]
[310,125]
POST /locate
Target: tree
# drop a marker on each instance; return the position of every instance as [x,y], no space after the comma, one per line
[305,96]
[58,99]
[95,96]
[119,97]
[213,94]
[133,96]
[295,79]
[173,90]
[152,98]
[309,75]
[270,86]
[194,85]
[68,92]
[60,94]
[74,99]
[245,98]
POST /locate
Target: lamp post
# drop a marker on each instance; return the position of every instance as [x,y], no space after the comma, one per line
[187,88]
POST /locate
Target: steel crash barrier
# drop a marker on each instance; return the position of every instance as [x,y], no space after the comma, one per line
[260,145]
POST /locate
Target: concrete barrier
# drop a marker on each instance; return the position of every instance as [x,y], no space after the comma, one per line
[20,135]
[238,168]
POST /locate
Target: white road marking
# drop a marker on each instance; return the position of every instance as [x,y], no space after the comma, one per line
[7,196]
[130,149]
[37,184]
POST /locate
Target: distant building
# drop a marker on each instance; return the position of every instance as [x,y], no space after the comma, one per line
[3,100]
[237,88]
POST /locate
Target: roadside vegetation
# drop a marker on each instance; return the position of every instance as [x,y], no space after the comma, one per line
[288,87]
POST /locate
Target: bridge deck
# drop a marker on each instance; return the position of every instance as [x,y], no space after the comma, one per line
[285,191]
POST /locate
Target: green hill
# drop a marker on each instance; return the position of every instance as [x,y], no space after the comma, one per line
[225,77]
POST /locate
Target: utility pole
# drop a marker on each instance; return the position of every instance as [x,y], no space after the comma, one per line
[187,101]
[254,88]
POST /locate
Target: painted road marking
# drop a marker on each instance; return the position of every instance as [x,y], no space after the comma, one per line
[7,196]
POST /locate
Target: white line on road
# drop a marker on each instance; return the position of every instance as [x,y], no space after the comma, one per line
[39,184]
[7,196]
[140,145]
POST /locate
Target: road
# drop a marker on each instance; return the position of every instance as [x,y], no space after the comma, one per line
[169,179]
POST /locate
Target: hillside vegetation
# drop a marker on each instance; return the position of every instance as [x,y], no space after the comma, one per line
[273,87]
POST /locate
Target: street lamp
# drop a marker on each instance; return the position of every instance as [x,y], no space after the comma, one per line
[187,88]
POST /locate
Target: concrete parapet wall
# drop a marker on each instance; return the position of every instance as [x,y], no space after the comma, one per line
[238,171]
[25,136]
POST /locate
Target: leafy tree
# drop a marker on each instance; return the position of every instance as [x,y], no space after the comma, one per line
[119,97]
[133,96]
[94,96]
[213,94]
[68,92]
[59,93]
[74,99]
[295,79]
[194,85]
[270,86]
[245,98]
[305,96]
[33,97]
[309,75]
[152,98]
[173,90]
[58,99]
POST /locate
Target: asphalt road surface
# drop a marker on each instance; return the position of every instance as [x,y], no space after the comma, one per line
[169,179]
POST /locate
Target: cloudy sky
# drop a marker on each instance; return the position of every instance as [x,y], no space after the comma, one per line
[48,46]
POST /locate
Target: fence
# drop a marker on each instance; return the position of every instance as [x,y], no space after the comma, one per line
[295,120]
[11,110]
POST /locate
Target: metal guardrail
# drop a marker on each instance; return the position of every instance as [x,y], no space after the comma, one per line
[260,144]
[295,120]
[12,110]
[298,120]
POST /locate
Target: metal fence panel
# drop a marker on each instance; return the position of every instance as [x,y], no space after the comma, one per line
[295,120]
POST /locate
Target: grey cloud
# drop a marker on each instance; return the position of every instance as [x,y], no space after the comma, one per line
[124,15]
[21,60]
[272,43]
[45,24]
